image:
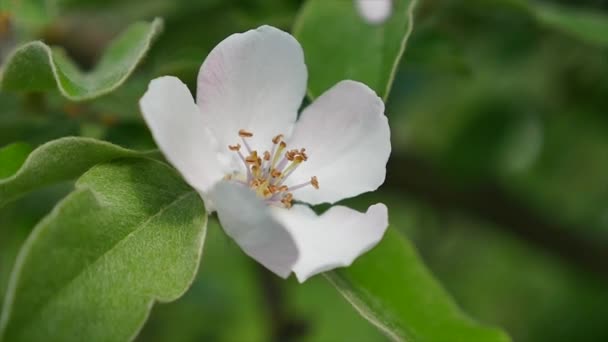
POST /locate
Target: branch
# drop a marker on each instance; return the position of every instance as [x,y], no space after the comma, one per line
[284,326]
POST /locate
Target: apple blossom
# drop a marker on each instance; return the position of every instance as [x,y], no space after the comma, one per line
[243,148]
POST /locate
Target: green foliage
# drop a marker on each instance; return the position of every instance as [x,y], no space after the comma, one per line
[488,94]
[30,16]
[131,233]
[12,157]
[339,44]
[56,161]
[588,26]
[391,288]
[226,299]
[329,316]
[36,67]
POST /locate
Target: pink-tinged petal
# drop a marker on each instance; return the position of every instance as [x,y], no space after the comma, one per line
[254,81]
[374,11]
[335,238]
[347,138]
[180,132]
[247,220]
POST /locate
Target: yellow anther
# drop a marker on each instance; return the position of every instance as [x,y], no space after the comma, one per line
[245,134]
[252,158]
[275,173]
[276,139]
[303,154]
[287,200]
[314,182]
[265,179]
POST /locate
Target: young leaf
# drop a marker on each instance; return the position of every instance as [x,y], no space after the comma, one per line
[392,289]
[131,233]
[340,44]
[35,67]
[59,160]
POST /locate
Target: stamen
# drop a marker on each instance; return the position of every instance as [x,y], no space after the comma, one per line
[249,176]
[282,146]
[267,172]
[275,141]
[287,200]
[297,160]
[303,154]
[314,182]
[246,145]
[281,164]
[255,169]
[245,134]
[252,158]
[275,173]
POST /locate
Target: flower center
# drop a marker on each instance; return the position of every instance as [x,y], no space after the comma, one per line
[268,171]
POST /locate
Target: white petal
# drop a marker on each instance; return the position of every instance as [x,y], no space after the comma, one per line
[347,138]
[255,81]
[334,239]
[374,11]
[247,220]
[180,132]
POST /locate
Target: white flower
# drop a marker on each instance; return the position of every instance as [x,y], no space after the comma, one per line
[374,11]
[240,146]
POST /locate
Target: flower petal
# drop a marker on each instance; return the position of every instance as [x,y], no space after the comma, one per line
[254,81]
[180,131]
[334,239]
[247,220]
[347,138]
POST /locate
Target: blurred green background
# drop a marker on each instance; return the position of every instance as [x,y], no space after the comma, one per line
[499,173]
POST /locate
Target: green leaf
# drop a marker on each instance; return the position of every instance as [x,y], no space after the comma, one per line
[392,289]
[60,160]
[12,157]
[131,233]
[588,26]
[339,44]
[36,67]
